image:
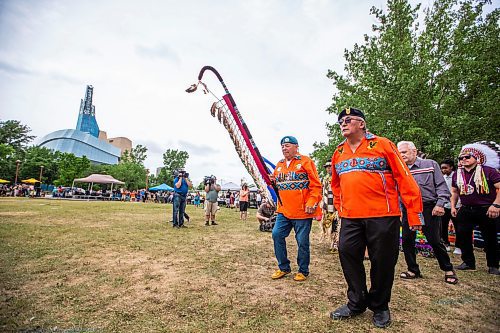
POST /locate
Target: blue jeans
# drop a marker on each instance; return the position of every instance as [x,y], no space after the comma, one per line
[281,231]
[179,209]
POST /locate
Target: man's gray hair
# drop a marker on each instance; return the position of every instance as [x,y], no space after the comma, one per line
[410,144]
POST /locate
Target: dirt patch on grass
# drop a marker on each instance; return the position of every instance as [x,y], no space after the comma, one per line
[17,214]
[122,268]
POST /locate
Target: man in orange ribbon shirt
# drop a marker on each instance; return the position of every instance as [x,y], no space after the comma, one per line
[299,188]
[368,177]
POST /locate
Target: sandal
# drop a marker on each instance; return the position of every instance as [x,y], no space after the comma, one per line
[451,279]
[410,275]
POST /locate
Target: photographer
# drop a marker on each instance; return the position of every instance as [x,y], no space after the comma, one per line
[212,190]
[181,186]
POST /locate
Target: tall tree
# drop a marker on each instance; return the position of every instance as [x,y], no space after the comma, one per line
[7,161]
[173,159]
[14,138]
[15,134]
[436,85]
[37,157]
[71,167]
[133,174]
[135,155]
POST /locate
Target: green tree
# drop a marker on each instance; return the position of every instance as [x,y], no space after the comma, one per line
[153,180]
[172,160]
[135,155]
[435,84]
[133,174]
[14,134]
[323,151]
[7,161]
[201,186]
[6,151]
[71,167]
[102,169]
[14,138]
[34,158]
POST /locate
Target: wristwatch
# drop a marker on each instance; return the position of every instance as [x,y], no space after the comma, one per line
[495,205]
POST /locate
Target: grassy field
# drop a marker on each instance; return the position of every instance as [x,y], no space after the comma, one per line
[69,266]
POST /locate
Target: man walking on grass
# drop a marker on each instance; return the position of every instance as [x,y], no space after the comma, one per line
[299,190]
[368,177]
[435,195]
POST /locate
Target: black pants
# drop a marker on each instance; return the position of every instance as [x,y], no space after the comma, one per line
[445,221]
[432,232]
[467,218]
[381,236]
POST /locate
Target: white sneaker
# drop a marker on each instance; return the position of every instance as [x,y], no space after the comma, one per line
[457,251]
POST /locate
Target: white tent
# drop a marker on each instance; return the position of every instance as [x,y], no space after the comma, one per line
[230,187]
[98,179]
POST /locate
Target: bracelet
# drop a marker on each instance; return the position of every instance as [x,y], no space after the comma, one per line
[495,205]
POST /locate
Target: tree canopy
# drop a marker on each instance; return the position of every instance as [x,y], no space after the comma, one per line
[135,155]
[15,134]
[173,159]
[432,81]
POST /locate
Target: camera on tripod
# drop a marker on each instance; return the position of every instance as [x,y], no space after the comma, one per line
[180,173]
[209,180]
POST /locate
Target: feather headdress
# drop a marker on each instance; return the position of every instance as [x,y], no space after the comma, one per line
[486,153]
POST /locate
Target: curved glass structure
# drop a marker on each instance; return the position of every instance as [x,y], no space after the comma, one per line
[81,144]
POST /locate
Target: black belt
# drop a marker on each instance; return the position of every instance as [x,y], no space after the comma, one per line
[476,206]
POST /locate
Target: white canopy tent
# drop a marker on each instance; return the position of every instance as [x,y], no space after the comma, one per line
[230,187]
[98,179]
[234,187]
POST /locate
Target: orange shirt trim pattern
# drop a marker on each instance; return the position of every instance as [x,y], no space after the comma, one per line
[299,186]
[369,182]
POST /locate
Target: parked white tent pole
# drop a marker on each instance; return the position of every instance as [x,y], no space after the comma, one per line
[91,186]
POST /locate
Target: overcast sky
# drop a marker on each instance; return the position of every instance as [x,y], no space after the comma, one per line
[140,56]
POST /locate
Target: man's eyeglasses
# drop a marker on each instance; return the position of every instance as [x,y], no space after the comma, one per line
[347,120]
[465,157]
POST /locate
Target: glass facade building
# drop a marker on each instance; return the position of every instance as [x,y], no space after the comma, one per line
[85,139]
[81,144]
[86,117]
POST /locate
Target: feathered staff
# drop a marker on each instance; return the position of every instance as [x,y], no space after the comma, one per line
[227,113]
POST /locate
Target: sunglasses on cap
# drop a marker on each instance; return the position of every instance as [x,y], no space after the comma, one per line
[347,120]
[465,157]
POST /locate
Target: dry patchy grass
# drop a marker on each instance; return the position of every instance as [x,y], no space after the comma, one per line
[71,266]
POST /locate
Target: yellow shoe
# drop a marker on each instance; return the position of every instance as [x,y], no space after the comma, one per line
[300,277]
[278,274]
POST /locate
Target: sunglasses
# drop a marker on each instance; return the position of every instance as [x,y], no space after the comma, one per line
[465,157]
[347,120]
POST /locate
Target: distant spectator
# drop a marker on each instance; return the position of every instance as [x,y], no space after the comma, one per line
[244,192]
[258,198]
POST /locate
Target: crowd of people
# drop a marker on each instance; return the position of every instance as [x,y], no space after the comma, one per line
[372,189]
[19,190]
